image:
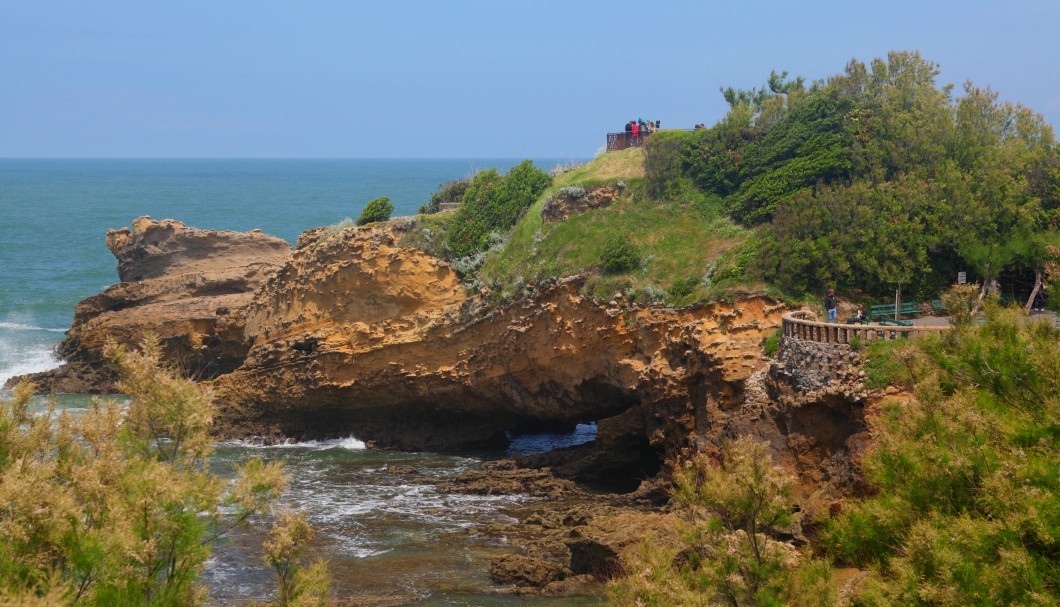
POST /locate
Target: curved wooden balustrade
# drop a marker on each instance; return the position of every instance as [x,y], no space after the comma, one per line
[799,324]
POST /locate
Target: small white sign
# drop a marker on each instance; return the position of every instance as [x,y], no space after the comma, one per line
[962,277]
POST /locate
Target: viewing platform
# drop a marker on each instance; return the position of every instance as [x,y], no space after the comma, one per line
[803,325]
[623,140]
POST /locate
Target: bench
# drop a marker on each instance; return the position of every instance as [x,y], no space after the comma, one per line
[887,310]
[890,322]
[936,306]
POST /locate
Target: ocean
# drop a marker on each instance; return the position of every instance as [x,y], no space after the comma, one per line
[381,534]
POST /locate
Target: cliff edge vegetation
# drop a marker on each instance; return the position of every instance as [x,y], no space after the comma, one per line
[876,178]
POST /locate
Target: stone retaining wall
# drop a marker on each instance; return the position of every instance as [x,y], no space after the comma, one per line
[809,366]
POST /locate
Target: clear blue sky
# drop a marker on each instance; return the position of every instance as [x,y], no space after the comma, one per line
[455,78]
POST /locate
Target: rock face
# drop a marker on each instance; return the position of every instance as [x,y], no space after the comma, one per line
[357,335]
[570,201]
[189,287]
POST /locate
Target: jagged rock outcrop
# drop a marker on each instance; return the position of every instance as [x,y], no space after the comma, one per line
[570,201]
[189,287]
[357,335]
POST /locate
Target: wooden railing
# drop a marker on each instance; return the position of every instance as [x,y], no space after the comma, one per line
[621,141]
[800,324]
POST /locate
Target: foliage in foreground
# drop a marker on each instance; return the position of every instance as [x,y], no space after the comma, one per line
[967,510]
[118,506]
[731,509]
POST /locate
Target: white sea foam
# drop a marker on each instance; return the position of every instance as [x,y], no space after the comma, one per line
[350,443]
[17,326]
[20,361]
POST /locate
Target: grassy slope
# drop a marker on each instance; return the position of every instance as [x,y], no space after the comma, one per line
[679,239]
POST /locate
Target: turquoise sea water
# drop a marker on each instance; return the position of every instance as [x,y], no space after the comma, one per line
[54,214]
[384,535]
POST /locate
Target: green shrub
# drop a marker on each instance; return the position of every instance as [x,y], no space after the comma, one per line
[884,366]
[120,505]
[620,254]
[664,154]
[682,287]
[452,191]
[771,344]
[731,510]
[376,210]
[965,489]
[493,203]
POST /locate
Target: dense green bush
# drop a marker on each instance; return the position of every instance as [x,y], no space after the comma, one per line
[682,287]
[664,162]
[620,254]
[771,344]
[806,146]
[493,203]
[376,210]
[967,503]
[452,191]
[875,177]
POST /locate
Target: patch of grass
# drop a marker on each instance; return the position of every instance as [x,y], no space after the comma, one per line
[427,233]
[676,241]
[328,231]
[771,344]
[884,364]
[611,167]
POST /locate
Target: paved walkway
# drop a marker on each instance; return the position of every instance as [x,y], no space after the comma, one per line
[942,321]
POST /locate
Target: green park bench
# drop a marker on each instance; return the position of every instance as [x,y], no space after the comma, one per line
[880,311]
[936,306]
[890,322]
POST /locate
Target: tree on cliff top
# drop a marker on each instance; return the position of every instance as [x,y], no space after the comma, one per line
[878,175]
[378,209]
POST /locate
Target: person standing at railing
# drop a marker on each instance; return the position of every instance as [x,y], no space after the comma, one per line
[629,133]
[830,305]
[636,129]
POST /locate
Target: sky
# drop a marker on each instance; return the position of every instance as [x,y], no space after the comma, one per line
[456,78]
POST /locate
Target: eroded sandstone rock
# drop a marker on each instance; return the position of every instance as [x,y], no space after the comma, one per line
[357,335]
[188,287]
[570,201]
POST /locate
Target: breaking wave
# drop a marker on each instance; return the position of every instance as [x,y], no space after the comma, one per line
[350,443]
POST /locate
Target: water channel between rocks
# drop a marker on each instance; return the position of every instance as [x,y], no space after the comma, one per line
[390,538]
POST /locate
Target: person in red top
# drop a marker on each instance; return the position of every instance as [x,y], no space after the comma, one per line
[636,130]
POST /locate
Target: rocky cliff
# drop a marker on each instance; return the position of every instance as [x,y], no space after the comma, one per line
[188,287]
[354,334]
[357,335]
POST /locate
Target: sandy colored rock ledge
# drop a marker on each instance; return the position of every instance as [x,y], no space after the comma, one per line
[189,287]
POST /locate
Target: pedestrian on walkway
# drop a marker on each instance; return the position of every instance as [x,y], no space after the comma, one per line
[829,305]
